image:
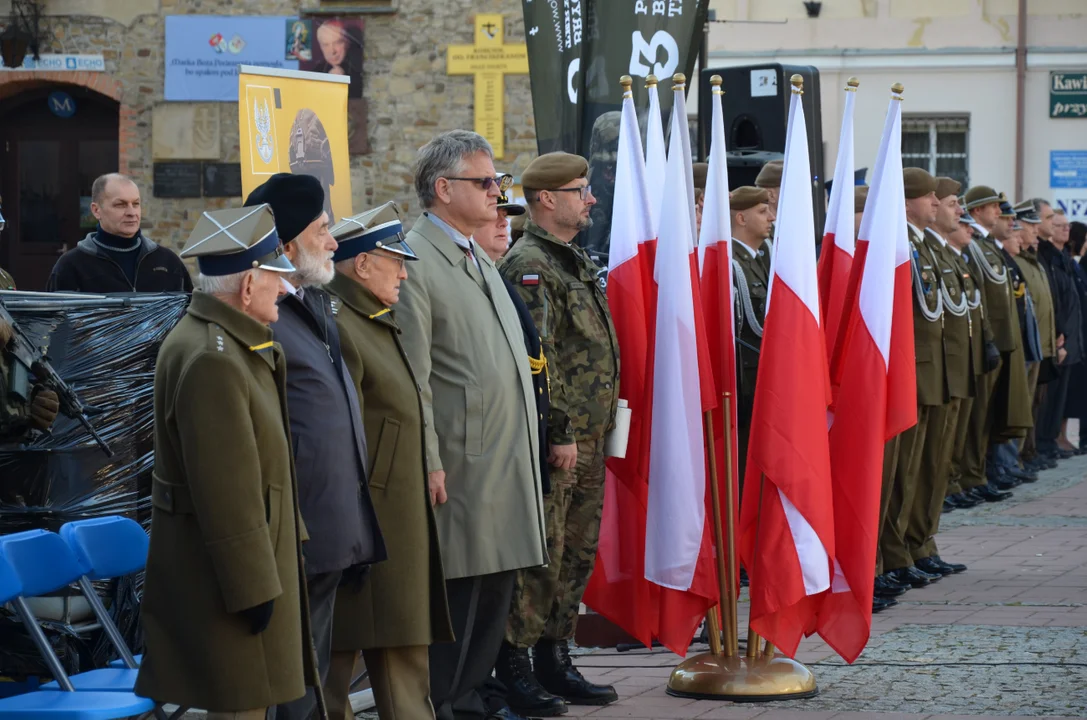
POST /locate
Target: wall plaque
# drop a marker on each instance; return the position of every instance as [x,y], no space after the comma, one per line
[177,179]
[222,180]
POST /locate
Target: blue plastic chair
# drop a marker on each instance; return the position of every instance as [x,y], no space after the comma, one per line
[34,563]
[109,547]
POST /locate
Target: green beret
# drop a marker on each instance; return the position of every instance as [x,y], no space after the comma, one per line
[917,182]
[860,196]
[747,197]
[770,174]
[979,195]
[553,170]
[946,186]
[700,172]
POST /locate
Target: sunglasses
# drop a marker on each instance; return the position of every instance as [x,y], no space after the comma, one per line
[485,183]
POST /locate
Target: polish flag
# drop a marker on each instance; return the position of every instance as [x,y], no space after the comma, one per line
[679,540]
[655,156]
[617,588]
[787,515]
[861,428]
[715,261]
[836,256]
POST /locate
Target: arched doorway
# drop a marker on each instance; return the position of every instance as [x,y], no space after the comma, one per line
[55,139]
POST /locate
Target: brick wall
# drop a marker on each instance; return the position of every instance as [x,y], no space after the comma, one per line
[409,96]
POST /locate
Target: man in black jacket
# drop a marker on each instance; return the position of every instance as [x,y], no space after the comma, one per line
[323,408]
[1068,320]
[116,257]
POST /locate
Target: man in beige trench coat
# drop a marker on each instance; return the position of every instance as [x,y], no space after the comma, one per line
[463,338]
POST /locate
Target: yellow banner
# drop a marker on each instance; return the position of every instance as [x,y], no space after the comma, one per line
[296,122]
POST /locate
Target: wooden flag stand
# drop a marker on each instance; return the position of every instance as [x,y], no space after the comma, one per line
[759,675]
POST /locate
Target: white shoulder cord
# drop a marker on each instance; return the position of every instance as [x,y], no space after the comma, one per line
[745,298]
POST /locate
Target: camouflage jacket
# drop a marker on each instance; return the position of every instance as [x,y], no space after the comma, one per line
[13,412]
[557,281]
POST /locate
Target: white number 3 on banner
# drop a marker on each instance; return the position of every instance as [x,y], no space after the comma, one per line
[641,49]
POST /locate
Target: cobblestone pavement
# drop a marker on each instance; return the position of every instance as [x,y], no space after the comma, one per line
[1007,638]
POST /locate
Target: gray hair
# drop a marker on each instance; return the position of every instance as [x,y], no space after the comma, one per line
[98,188]
[1039,202]
[221,284]
[444,156]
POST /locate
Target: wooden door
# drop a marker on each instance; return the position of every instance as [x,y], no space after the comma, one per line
[50,160]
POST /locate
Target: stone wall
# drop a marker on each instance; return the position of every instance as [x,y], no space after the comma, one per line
[409,96]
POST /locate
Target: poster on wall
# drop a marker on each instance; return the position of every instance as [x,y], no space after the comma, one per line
[337,50]
[203,53]
[294,121]
[299,39]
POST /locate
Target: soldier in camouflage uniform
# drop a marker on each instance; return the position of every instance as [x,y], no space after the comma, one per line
[752,219]
[603,153]
[557,280]
[18,417]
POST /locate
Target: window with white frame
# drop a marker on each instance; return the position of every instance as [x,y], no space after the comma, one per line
[939,144]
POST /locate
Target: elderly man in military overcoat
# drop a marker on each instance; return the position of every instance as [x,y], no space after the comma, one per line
[223,609]
[400,609]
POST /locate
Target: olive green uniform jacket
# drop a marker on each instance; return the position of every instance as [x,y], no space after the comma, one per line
[225,531]
[402,601]
[557,281]
[463,337]
[1038,282]
[959,371]
[928,335]
[979,328]
[751,276]
[1011,403]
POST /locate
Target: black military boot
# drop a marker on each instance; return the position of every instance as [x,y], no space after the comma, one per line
[523,691]
[558,675]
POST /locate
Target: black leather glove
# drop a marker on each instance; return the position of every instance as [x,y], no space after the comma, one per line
[258,616]
[992,357]
[354,576]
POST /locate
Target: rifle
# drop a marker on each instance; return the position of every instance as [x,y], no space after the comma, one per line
[27,361]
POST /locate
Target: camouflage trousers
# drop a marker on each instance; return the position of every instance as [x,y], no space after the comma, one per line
[546,599]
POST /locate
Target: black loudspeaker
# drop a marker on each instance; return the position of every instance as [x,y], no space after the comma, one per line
[756,110]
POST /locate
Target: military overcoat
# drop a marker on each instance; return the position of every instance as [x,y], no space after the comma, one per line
[958,325]
[225,531]
[402,601]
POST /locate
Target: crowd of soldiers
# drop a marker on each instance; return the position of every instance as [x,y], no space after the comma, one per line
[998,339]
[369,443]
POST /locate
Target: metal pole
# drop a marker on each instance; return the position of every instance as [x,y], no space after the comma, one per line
[107,623]
[723,580]
[1020,96]
[39,639]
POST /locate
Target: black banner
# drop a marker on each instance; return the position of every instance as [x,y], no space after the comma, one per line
[577,51]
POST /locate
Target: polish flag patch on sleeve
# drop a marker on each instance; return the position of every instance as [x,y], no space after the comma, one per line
[530,279]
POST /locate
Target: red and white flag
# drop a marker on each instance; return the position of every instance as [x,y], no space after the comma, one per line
[678,544]
[715,262]
[786,517]
[860,428]
[617,588]
[836,255]
[655,156]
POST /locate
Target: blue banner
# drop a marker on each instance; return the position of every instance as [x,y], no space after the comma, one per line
[1068,168]
[203,53]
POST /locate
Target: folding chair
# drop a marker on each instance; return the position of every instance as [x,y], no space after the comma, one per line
[108,547]
[33,563]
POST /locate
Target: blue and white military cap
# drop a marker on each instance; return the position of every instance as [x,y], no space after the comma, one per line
[376,229]
[225,242]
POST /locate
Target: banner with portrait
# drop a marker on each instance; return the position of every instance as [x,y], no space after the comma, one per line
[294,121]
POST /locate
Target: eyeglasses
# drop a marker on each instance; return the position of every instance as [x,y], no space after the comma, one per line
[583,190]
[399,260]
[502,181]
